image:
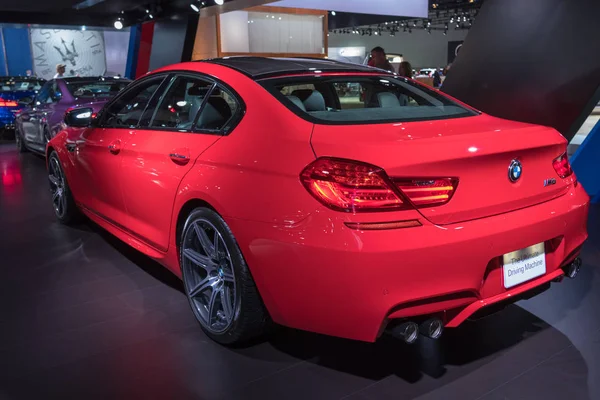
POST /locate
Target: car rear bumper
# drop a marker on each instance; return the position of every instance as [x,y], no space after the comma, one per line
[321,276]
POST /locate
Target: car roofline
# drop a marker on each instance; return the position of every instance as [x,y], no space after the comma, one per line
[258,68]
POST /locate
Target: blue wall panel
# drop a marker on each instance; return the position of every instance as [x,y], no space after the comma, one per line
[135,33]
[585,163]
[18,50]
[2,57]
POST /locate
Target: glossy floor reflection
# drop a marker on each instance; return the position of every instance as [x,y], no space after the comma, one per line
[85,317]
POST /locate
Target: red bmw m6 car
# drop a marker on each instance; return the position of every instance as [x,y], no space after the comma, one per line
[278,194]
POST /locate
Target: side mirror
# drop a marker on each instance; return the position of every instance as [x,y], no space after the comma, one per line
[79,117]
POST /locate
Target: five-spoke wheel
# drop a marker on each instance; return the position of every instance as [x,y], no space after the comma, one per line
[211,278]
[217,280]
[62,201]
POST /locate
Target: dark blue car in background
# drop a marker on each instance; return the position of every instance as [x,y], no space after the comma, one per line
[15,94]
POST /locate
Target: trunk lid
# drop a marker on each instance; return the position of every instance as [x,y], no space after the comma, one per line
[476,150]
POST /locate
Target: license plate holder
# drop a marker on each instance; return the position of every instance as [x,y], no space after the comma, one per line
[523,265]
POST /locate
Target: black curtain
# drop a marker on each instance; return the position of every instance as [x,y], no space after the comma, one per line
[535,61]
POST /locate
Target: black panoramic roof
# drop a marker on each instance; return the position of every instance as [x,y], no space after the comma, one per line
[265,67]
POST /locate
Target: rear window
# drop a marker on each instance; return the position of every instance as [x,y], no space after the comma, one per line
[94,89]
[20,85]
[363,99]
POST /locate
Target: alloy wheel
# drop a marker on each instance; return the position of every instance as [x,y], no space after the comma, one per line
[57,187]
[209,276]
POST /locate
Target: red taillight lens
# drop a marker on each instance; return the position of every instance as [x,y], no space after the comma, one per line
[562,166]
[428,192]
[8,103]
[351,186]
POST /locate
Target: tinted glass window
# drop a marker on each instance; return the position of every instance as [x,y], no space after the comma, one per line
[181,104]
[127,109]
[20,85]
[43,97]
[361,99]
[96,89]
[219,111]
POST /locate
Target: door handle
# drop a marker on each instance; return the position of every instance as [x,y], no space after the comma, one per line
[180,158]
[115,147]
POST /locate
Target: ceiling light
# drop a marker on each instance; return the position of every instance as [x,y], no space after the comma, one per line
[195,7]
[118,24]
[219,2]
[83,28]
[333,13]
[151,16]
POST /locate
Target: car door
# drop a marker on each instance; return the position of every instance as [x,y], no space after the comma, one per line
[31,119]
[99,152]
[186,121]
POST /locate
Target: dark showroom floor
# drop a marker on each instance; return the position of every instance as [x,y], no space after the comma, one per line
[84,317]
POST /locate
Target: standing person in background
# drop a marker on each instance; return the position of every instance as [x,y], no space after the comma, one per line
[405,69]
[60,70]
[379,59]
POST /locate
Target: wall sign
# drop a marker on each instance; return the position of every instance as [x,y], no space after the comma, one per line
[81,51]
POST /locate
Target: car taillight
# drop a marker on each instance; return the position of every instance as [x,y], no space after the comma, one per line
[427,192]
[562,166]
[351,186]
[8,103]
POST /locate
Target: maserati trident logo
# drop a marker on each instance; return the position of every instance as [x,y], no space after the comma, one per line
[515,169]
[70,54]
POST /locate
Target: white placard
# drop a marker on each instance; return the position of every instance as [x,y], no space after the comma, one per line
[523,265]
[81,51]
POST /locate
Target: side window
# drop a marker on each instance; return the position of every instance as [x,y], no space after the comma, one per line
[43,96]
[179,107]
[126,111]
[219,111]
[55,93]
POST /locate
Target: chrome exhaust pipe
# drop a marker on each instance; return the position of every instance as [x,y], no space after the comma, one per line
[406,331]
[572,269]
[432,328]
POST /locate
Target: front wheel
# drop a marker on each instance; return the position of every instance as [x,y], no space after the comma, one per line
[19,141]
[65,208]
[217,280]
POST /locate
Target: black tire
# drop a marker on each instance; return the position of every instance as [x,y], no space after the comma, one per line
[64,206]
[20,142]
[249,317]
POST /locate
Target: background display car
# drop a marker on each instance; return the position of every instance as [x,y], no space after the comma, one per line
[272,199]
[14,93]
[43,117]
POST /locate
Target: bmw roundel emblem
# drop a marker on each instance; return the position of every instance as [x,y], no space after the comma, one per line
[515,170]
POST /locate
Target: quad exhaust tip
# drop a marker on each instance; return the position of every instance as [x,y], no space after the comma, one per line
[572,269]
[432,328]
[406,331]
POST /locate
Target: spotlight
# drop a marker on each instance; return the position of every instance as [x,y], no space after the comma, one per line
[333,13]
[376,33]
[414,23]
[219,2]
[83,28]
[195,7]
[118,24]
[150,16]
[147,11]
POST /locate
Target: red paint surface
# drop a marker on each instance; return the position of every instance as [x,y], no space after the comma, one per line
[143,62]
[314,272]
